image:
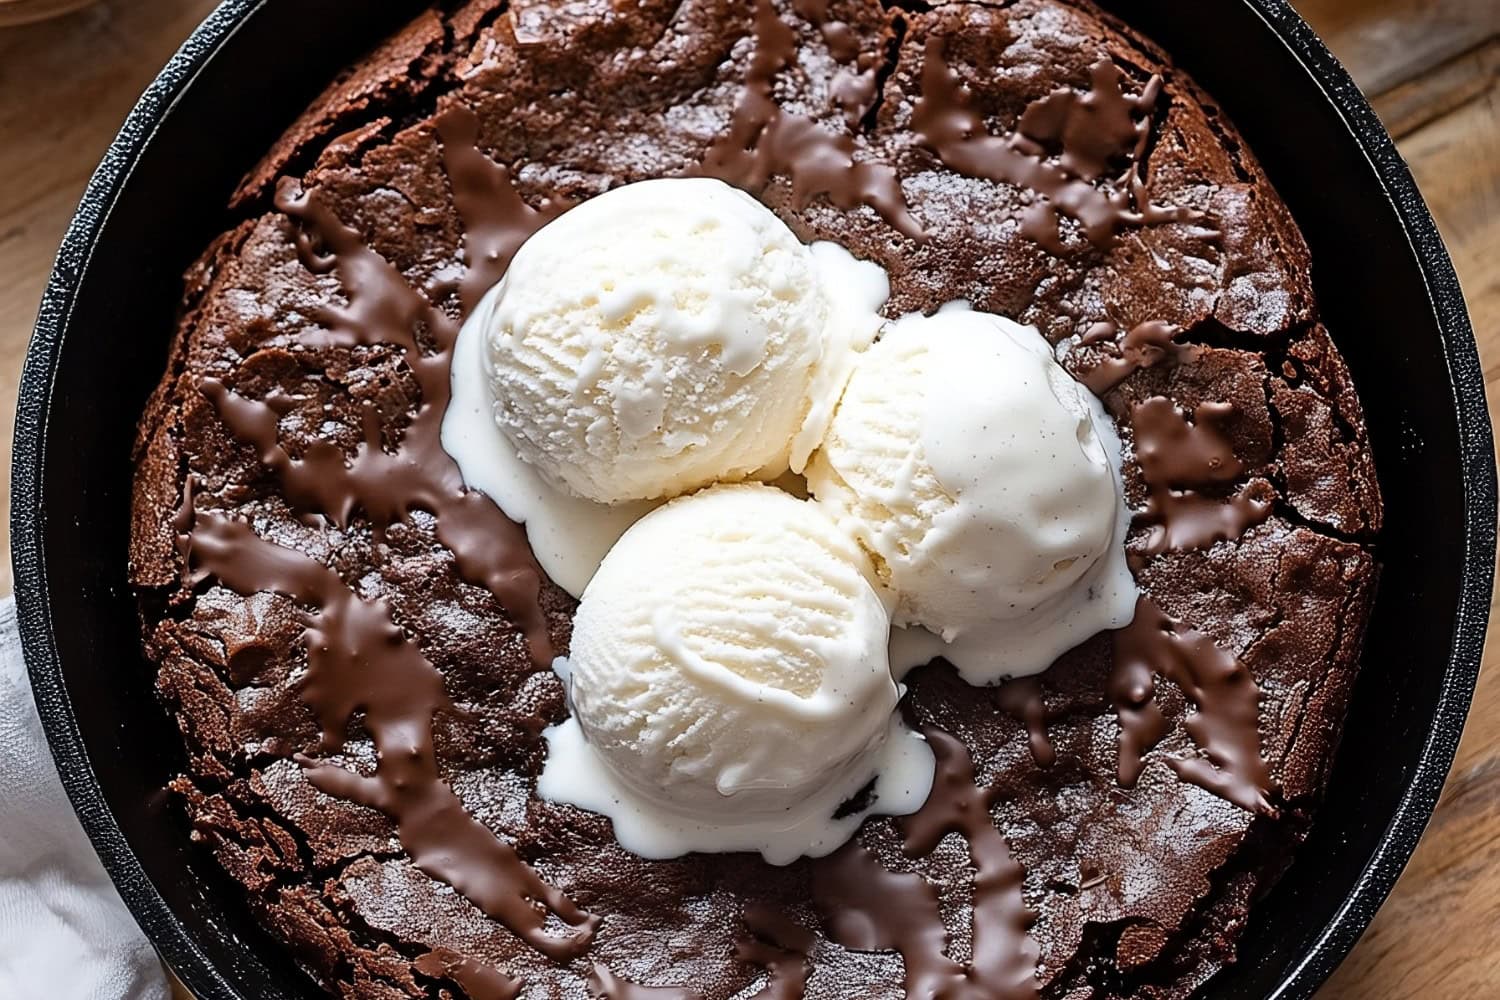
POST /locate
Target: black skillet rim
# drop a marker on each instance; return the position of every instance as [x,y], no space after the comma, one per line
[1475,441]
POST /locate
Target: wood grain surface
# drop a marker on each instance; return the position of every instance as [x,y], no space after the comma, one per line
[13,12]
[1431,67]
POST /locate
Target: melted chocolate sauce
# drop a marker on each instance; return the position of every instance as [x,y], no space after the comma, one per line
[182,524]
[1100,333]
[496,218]
[842,43]
[360,661]
[780,946]
[1146,345]
[1184,521]
[605,985]
[870,908]
[1004,962]
[1096,128]
[1092,130]
[1178,453]
[488,548]
[1022,698]
[853,89]
[775,943]
[765,140]
[479,981]
[1225,722]
[1177,456]
[854,93]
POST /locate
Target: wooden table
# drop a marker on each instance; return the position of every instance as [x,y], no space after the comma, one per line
[1432,68]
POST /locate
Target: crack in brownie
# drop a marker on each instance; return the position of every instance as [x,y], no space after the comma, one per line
[355,648]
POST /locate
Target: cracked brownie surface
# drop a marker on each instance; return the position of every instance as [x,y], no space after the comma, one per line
[1196,322]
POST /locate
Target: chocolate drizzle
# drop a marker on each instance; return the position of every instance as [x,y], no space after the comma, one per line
[780,946]
[1146,345]
[496,218]
[854,89]
[488,548]
[1092,130]
[479,981]
[870,908]
[1176,453]
[842,43]
[1095,128]
[1177,456]
[1183,521]
[775,943]
[605,985]
[1224,723]
[764,140]
[1102,332]
[360,661]
[1022,698]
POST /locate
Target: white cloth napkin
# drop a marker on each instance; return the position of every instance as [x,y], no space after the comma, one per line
[64,933]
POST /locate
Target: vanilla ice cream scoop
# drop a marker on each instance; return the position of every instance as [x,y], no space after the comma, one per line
[661,337]
[984,481]
[729,672]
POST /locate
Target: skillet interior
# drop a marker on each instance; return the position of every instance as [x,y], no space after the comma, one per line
[1384,281]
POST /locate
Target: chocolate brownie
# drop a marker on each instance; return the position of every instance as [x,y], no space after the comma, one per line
[354,647]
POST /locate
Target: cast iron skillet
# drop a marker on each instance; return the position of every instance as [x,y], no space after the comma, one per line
[1385,282]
